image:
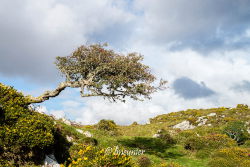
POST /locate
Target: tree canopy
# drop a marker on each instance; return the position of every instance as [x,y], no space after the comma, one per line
[98,71]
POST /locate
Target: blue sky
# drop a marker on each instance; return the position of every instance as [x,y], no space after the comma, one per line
[201,48]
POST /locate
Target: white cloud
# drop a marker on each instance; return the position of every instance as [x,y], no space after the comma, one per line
[58,113]
[34,32]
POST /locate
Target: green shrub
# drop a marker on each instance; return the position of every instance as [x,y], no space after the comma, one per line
[231,157]
[247,144]
[212,141]
[107,125]
[134,123]
[24,134]
[166,137]
[183,135]
[242,107]
[143,161]
[90,156]
[237,131]
[170,164]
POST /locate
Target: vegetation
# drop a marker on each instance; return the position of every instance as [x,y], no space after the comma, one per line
[102,72]
[89,156]
[26,136]
[237,131]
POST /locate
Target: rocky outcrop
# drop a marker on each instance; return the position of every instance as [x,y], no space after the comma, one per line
[69,138]
[201,121]
[79,130]
[158,134]
[211,114]
[67,122]
[184,125]
[88,134]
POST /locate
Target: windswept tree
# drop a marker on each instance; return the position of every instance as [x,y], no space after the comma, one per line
[102,72]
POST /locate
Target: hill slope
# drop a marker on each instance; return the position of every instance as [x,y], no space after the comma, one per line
[191,138]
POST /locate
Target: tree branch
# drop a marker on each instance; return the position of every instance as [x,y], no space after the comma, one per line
[49,94]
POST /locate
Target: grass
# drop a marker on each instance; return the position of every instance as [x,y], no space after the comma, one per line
[140,136]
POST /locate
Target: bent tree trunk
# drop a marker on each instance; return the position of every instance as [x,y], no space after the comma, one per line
[49,94]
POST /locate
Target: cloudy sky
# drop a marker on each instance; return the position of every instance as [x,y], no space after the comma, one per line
[201,47]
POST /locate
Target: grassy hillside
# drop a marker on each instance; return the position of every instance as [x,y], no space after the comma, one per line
[217,137]
[190,148]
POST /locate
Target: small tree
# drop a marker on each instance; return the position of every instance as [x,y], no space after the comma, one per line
[102,72]
[237,131]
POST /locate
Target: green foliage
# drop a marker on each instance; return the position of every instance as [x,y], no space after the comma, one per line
[212,141]
[170,164]
[109,74]
[150,145]
[134,123]
[143,161]
[247,143]
[237,131]
[90,156]
[89,141]
[242,106]
[204,153]
[23,132]
[166,137]
[231,157]
[107,125]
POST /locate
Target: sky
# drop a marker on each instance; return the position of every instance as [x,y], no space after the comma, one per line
[202,48]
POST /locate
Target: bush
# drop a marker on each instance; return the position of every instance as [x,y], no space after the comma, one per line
[143,161]
[231,157]
[166,137]
[90,156]
[212,141]
[134,123]
[24,134]
[237,131]
[170,164]
[247,144]
[107,125]
[183,135]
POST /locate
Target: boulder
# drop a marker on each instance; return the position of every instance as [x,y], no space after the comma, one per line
[157,135]
[184,125]
[50,161]
[88,134]
[67,122]
[69,138]
[79,130]
[201,121]
[211,114]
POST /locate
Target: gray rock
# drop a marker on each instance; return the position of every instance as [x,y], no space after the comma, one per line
[184,125]
[211,114]
[79,130]
[69,138]
[201,121]
[50,161]
[67,122]
[156,135]
[88,134]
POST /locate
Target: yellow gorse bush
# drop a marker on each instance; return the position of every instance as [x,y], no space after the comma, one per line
[91,156]
[22,130]
[231,157]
